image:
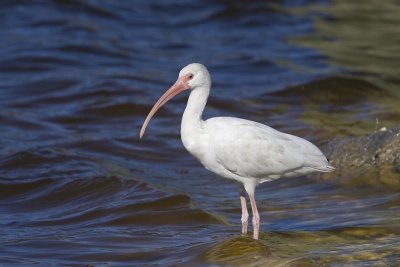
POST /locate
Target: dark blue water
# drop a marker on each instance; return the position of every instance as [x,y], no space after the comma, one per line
[78,187]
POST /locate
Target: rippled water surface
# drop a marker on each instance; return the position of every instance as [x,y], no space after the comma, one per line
[77,78]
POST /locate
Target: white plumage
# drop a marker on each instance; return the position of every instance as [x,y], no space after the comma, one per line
[238,149]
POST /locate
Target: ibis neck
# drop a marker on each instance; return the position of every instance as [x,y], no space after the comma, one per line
[192,117]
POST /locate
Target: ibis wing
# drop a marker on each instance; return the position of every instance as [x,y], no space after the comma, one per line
[250,149]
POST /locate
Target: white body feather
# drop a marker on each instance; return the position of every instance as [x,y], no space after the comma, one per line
[252,153]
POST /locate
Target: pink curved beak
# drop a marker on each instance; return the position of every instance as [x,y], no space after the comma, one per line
[180,85]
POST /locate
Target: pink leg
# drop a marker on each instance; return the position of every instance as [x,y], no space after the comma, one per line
[245,213]
[256,217]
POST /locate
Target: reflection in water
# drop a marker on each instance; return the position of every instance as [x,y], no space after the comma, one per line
[361,37]
[77,186]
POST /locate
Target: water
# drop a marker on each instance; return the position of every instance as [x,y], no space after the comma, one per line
[77,78]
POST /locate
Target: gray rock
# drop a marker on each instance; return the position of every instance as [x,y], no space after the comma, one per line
[372,159]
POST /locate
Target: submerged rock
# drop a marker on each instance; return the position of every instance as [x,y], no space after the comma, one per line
[372,159]
[237,251]
[245,251]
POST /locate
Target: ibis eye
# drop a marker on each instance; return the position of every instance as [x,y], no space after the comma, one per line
[190,76]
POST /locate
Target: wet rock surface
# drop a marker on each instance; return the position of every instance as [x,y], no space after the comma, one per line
[372,159]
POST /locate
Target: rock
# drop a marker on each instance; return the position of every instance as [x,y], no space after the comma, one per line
[372,159]
[237,251]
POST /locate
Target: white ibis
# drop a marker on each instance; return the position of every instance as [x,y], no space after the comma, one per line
[244,151]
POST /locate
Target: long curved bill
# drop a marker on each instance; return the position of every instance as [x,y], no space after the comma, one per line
[180,85]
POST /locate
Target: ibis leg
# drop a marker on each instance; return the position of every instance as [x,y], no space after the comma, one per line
[256,217]
[245,213]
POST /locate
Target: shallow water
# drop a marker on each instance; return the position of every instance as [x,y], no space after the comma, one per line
[78,187]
